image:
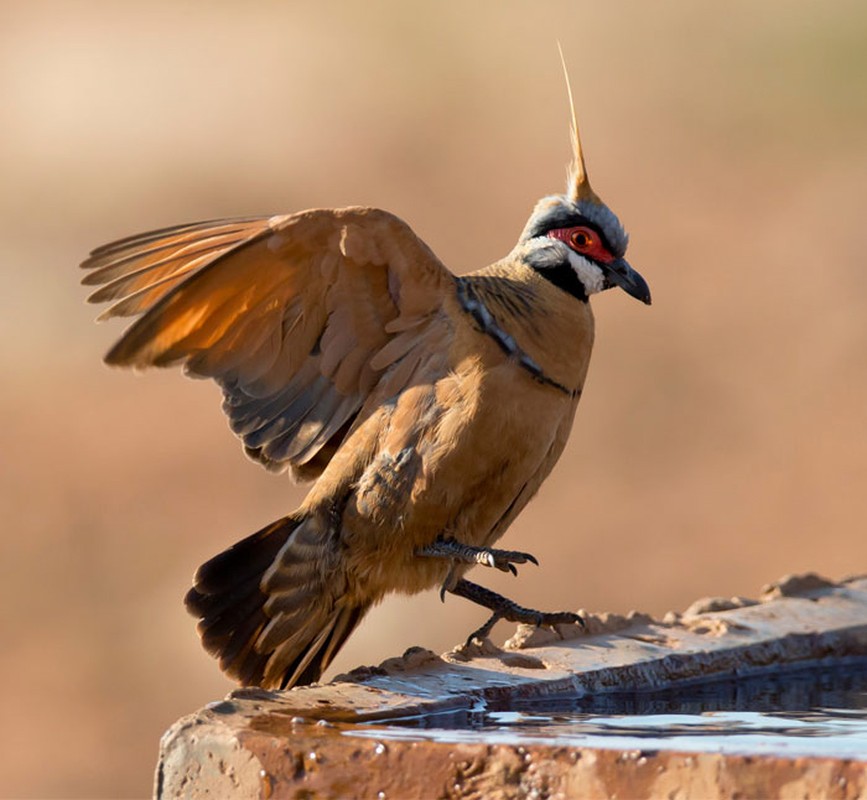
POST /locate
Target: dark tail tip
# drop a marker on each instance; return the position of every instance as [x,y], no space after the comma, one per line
[284,631]
[227,600]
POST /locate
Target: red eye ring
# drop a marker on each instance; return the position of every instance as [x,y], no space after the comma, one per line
[585,241]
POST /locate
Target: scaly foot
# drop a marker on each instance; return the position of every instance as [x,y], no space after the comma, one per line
[504,560]
[504,608]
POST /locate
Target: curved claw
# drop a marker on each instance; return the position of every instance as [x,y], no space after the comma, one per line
[457,552]
[505,560]
[550,620]
[519,557]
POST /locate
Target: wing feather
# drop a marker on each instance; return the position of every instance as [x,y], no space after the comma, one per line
[139,242]
[142,298]
[135,269]
[300,319]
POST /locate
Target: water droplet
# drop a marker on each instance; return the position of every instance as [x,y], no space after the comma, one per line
[267,784]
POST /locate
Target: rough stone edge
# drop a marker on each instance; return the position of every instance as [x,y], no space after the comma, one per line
[322,761]
[213,745]
[201,759]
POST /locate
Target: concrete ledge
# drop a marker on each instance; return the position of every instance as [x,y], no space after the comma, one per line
[303,743]
[319,765]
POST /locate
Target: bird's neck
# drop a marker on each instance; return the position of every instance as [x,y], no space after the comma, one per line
[531,319]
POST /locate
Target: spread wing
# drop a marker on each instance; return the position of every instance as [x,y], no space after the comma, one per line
[298,318]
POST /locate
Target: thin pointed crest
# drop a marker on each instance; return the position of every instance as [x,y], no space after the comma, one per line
[578,185]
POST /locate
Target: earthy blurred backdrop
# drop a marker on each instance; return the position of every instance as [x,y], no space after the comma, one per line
[722,438]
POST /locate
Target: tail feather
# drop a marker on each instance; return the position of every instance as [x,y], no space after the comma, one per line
[272,608]
[248,558]
[317,658]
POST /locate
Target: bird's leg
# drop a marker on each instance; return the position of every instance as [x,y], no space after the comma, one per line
[504,608]
[504,560]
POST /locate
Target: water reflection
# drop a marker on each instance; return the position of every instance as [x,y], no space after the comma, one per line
[806,712]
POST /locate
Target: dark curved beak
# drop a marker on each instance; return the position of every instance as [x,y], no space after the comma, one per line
[621,274]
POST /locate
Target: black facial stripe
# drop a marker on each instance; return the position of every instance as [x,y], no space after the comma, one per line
[564,218]
[551,264]
[565,277]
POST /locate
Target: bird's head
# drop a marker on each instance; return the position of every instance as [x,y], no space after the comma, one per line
[576,241]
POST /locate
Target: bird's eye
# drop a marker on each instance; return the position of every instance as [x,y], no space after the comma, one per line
[585,241]
[581,239]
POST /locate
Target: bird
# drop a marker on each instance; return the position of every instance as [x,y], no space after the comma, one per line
[424,408]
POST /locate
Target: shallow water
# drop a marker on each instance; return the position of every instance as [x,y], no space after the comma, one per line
[809,712]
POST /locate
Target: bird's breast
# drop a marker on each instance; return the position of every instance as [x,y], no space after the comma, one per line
[461,453]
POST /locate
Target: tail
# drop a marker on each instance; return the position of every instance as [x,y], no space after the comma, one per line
[273,608]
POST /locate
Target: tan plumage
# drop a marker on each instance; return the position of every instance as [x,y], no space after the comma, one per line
[427,408]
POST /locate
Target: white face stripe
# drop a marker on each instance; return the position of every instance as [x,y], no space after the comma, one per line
[588,273]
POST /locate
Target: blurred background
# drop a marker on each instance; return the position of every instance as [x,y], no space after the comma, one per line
[722,438]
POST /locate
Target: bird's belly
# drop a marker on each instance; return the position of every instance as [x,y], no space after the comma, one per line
[488,441]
